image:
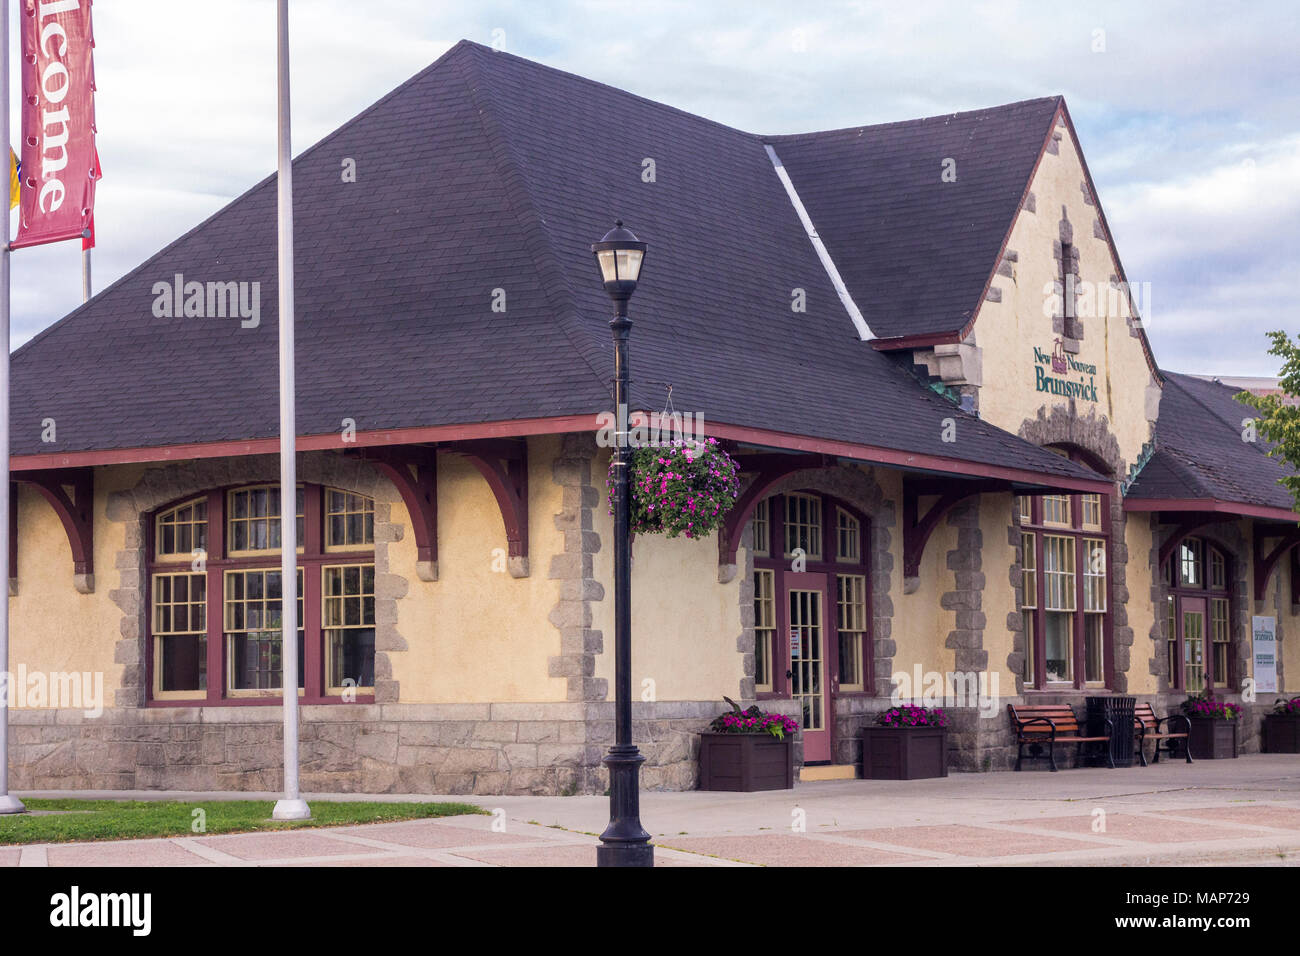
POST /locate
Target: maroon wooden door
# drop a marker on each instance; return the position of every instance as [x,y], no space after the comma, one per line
[810,658]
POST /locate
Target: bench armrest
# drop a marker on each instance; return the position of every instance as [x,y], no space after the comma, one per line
[1187,724]
[1022,724]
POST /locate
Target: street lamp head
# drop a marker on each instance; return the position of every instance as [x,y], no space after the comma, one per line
[619,255]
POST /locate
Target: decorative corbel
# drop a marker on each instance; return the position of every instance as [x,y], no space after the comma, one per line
[413,470]
[504,464]
[71,493]
[770,469]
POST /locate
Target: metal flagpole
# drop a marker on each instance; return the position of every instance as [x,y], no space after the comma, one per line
[85,275]
[8,803]
[291,806]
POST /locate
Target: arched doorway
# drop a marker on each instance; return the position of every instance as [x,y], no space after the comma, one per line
[812,608]
[1198,617]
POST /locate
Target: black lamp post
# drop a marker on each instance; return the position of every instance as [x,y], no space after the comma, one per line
[624,842]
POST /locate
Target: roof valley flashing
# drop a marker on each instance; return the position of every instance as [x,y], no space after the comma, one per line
[859,322]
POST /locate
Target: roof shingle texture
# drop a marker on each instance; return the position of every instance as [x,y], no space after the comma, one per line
[485,172]
[915,251]
[1200,452]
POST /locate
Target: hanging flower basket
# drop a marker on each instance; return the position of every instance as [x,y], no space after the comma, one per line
[684,488]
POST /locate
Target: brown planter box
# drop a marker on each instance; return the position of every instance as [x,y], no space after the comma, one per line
[746,762]
[1282,733]
[904,753]
[1212,739]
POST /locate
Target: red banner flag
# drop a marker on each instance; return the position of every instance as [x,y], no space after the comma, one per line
[57,192]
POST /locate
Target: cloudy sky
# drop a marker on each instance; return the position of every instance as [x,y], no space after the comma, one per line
[1189,115]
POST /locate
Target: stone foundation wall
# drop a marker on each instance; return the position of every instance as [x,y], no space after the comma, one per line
[482,749]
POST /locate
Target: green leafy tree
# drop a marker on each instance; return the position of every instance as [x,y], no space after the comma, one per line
[1278,423]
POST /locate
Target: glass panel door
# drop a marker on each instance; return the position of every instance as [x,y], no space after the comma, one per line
[1193,645]
[806,636]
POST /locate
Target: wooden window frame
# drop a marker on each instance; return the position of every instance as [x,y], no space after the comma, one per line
[1078,532]
[1172,577]
[312,556]
[828,564]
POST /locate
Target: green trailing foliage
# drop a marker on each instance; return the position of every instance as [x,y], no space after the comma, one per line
[1278,423]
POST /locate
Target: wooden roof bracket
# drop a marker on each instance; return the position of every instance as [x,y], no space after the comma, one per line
[71,493]
[504,463]
[413,470]
[917,529]
[769,469]
[1264,564]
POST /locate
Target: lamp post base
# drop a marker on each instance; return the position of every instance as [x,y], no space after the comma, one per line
[291,810]
[11,804]
[625,854]
[625,842]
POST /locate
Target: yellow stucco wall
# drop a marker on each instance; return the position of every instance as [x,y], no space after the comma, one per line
[921,625]
[477,634]
[1008,331]
[684,623]
[1138,575]
[52,627]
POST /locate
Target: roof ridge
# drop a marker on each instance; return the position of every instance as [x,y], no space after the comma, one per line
[657,104]
[514,181]
[775,137]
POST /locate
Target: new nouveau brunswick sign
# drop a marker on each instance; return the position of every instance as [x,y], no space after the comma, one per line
[1069,377]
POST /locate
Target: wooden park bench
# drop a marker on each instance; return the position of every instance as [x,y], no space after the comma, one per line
[1146,726]
[1043,726]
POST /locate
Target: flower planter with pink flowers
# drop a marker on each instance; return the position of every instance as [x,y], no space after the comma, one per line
[906,743]
[748,750]
[1212,734]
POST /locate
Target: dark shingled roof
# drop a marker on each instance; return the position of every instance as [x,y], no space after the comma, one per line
[486,171]
[1200,453]
[916,252]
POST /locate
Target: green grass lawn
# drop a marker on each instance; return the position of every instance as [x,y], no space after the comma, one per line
[135,819]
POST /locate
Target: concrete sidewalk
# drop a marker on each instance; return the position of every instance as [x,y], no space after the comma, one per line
[1244,811]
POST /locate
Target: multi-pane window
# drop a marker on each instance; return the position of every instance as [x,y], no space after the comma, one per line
[181,531]
[349,622]
[1056,509]
[803,525]
[180,631]
[1029,601]
[852,605]
[349,520]
[1221,639]
[1091,505]
[1192,563]
[1198,617]
[1065,590]
[849,547]
[253,625]
[1058,605]
[764,626]
[215,617]
[815,570]
[1218,570]
[253,519]
[1171,633]
[761,528]
[1094,609]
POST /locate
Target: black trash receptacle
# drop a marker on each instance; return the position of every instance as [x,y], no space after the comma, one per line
[1120,711]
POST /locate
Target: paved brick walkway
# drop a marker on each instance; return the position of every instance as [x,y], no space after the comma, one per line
[1244,811]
